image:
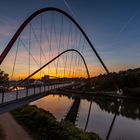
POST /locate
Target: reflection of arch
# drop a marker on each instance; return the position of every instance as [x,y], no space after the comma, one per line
[89,111]
[69,50]
[111,126]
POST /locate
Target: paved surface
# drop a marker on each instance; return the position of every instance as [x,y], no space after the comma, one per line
[12,130]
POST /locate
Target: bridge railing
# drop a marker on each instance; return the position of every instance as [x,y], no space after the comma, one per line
[8,96]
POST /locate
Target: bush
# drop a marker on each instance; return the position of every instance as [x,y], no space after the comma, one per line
[43,124]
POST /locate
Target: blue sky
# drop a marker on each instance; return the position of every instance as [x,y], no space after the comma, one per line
[112,25]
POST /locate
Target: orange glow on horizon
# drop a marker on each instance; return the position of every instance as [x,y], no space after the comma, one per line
[19,76]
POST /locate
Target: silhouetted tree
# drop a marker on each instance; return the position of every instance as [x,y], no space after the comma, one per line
[3,78]
[125,79]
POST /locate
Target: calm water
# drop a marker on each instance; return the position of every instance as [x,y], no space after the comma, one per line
[126,125]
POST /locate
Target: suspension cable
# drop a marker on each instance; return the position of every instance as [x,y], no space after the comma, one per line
[69,50]
[15,60]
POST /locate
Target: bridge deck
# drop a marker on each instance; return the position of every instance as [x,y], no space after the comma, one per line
[13,99]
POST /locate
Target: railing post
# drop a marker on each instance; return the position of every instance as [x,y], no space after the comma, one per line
[40,89]
[26,91]
[2,100]
[48,88]
[44,88]
[17,94]
[34,90]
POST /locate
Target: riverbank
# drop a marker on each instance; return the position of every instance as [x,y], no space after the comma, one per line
[43,125]
[130,94]
[11,130]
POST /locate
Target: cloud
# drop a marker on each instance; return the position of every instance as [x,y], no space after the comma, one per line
[7,26]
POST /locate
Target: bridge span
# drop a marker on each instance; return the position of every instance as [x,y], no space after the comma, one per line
[13,99]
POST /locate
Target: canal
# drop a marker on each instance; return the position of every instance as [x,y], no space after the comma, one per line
[115,118]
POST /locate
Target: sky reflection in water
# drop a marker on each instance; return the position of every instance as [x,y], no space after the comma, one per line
[126,125]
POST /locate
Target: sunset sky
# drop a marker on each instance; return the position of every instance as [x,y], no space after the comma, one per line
[113,26]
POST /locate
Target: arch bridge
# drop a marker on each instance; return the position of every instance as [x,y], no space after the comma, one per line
[50,50]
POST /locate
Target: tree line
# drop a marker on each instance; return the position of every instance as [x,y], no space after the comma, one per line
[125,79]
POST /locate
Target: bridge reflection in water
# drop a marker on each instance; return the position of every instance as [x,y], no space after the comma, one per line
[110,118]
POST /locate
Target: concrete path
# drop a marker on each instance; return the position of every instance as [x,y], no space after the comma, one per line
[12,130]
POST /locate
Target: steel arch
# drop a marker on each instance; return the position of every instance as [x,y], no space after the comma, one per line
[16,35]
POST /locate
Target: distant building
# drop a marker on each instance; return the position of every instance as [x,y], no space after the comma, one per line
[45,78]
[37,82]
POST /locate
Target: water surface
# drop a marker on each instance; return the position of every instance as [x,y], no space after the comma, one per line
[126,125]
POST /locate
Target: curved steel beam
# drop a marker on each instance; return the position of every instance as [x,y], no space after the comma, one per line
[16,35]
[69,50]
